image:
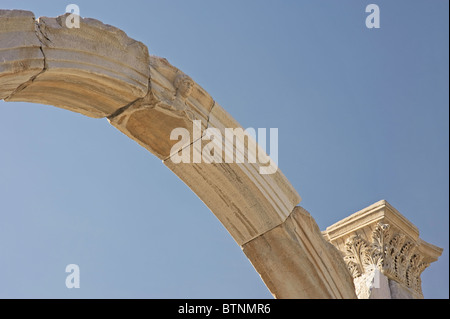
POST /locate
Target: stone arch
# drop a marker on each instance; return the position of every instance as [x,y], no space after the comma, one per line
[98,71]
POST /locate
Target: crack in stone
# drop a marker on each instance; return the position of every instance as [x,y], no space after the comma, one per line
[39,32]
[45,67]
[267,231]
[184,147]
[122,109]
[200,138]
[209,114]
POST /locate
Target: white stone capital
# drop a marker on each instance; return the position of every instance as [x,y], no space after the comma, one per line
[380,239]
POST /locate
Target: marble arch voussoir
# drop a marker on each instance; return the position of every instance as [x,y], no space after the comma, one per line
[98,71]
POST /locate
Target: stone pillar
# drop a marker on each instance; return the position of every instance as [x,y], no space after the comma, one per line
[383,252]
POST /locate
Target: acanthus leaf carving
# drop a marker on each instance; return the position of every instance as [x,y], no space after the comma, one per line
[356,248]
[392,253]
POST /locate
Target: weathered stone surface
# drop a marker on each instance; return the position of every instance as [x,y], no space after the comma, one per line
[399,291]
[174,100]
[21,58]
[94,70]
[379,238]
[372,285]
[295,261]
[246,202]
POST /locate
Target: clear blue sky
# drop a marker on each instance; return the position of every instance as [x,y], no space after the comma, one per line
[362,116]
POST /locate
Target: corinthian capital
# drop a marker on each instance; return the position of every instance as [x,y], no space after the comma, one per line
[379,241]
